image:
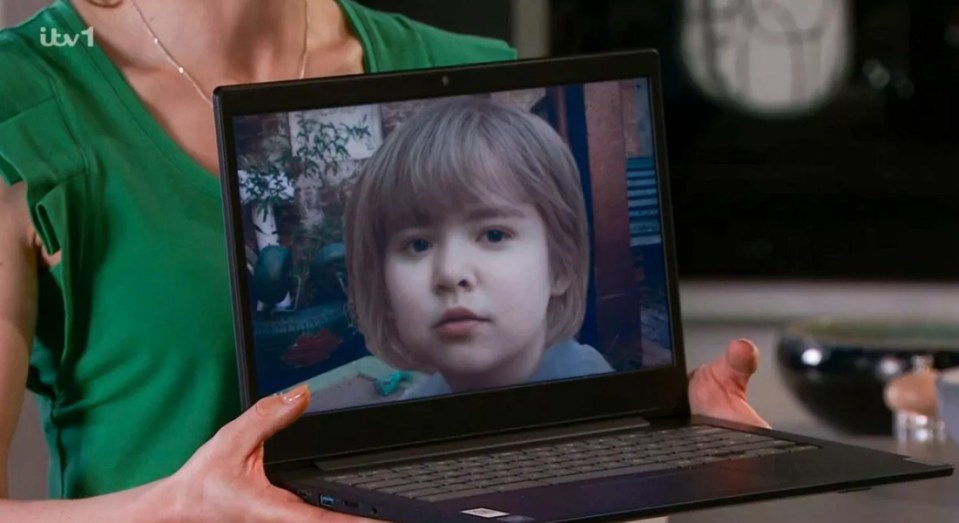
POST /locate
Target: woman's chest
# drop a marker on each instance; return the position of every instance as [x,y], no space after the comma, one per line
[181,113]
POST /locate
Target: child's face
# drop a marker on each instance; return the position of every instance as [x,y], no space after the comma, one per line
[469,295]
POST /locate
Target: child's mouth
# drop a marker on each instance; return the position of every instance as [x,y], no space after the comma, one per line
[458,322]
[459,328]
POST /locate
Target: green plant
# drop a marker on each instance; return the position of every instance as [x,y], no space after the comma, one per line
[265,183]
[321,146]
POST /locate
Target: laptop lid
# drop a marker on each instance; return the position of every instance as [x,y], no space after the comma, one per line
[452,252]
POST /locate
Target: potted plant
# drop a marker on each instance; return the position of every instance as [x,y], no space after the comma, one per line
[265,187]
[266,184]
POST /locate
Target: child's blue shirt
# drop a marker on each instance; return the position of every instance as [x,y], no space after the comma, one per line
[566,359]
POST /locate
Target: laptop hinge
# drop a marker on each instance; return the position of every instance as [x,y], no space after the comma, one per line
[480,443]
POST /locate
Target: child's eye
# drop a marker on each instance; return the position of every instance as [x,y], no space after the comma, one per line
[495,235]
[418,245]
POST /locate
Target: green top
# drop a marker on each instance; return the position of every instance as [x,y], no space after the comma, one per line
[133,365]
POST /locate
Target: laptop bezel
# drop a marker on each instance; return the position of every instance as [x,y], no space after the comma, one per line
[650,392]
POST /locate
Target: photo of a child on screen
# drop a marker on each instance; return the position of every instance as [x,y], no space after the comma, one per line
[417,248]
[467,250]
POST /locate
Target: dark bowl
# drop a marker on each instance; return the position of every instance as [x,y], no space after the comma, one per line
[837,368]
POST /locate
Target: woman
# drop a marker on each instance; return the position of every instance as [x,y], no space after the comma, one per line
[114,302]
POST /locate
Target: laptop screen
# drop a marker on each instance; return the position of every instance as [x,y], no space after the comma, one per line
[412,249]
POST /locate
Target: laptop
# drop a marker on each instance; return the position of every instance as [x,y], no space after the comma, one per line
[474,271]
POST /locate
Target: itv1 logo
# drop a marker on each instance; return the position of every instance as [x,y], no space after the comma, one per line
[54,38]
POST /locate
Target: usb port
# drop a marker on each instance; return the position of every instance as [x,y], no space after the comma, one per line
[351,504]
[327,501]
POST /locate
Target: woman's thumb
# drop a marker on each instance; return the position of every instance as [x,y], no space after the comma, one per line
[266,418]
[742,357]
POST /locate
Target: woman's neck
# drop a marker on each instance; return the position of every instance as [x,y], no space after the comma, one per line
[232,41]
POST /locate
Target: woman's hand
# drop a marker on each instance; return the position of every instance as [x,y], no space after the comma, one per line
[718,389]
[224,480]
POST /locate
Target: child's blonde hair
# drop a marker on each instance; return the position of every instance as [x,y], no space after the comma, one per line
[454,153]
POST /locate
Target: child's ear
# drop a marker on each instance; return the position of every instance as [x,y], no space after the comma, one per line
[560,285]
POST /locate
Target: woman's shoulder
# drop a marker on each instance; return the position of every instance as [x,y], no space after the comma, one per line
[24,84]
[40,55]
[35,140]
[394,42]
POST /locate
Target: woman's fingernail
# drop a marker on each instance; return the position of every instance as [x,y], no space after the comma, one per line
[294,395]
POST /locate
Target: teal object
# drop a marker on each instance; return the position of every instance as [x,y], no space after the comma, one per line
[334,252]
[271,274]
[389,384]
[328,272]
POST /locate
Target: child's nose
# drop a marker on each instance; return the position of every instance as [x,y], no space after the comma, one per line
[453,270]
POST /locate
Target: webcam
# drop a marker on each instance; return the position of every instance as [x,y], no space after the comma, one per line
[445,79]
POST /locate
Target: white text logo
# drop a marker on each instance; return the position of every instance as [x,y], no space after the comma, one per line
[54,38]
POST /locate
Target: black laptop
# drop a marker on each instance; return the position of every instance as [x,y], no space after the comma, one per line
[473,269]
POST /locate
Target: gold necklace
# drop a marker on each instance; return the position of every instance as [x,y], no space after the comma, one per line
[186,74]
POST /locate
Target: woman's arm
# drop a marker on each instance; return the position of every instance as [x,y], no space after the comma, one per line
[140,505]
[18,312]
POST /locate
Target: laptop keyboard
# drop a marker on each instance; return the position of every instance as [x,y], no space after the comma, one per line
[604,456]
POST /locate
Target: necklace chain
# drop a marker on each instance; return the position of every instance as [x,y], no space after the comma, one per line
[186,74]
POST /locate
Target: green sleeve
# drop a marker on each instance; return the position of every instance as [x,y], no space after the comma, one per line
[36,145]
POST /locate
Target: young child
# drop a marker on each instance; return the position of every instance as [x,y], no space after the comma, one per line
[468,252]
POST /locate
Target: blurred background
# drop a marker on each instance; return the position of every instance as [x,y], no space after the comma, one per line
[813,155]
[812,138]
[808,139]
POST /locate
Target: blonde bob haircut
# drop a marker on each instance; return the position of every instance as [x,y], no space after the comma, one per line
[454,153]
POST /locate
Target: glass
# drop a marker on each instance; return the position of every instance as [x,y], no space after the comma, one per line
[913,427]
